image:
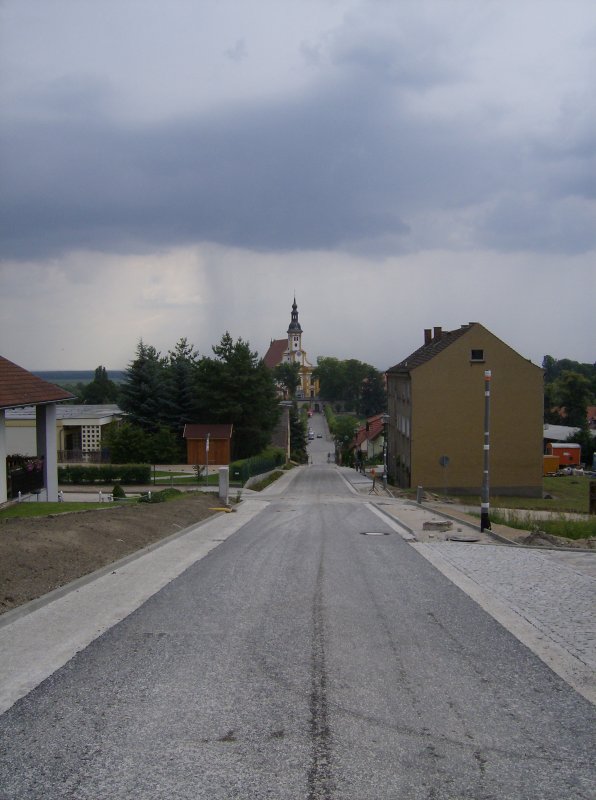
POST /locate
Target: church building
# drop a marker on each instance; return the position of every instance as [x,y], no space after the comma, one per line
[290,351]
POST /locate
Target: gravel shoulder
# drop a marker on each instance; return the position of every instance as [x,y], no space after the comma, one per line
[39,554]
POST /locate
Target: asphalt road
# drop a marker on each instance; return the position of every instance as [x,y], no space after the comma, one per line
[303,659]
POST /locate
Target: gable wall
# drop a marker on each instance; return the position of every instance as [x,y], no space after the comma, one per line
[448,418]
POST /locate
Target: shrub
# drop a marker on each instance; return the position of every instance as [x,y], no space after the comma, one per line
[108,473]
[264,462]
[159,497]
[118,492]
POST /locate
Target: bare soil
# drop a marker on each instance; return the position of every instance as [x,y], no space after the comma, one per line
[39,554]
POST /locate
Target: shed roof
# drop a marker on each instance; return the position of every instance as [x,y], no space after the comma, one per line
[219,431]
[18,387]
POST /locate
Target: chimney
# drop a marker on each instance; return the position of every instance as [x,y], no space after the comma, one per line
[428,336]
[438,334]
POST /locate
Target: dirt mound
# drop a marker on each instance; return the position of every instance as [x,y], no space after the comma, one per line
[38,554]
[542,539]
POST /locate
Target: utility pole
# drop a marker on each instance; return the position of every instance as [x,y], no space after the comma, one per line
[485,504]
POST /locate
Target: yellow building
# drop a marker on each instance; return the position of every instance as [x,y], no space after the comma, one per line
[290,351]
[436,403]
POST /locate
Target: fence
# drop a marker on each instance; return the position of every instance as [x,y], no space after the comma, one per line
[241,471]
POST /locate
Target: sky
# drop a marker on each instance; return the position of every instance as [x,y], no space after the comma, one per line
[182,168]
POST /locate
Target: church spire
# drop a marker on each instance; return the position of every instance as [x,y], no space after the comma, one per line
[294,324]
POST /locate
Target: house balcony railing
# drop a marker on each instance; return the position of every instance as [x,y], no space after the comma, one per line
[84,456]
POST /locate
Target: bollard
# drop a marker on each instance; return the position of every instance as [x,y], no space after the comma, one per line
[100,497]
[419,494]
[224,484]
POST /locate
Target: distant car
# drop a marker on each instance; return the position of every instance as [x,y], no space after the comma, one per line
[319,435]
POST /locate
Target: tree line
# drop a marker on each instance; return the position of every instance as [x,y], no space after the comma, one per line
[569,388]
[351,385]
[162,393]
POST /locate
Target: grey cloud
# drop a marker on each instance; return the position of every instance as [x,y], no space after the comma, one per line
[344,167]
[564,225]
[238,52]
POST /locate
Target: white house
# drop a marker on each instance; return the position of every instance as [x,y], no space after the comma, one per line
[79,430]
[19,388]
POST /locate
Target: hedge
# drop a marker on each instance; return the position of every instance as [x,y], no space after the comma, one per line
[131,474]
[241,471]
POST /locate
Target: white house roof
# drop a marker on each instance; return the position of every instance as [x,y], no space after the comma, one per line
[559,433]
[76,414]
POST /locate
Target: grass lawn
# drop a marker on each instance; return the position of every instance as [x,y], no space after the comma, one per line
[570,493]
[45,509]
[556,525]
[188,479]
[185,479]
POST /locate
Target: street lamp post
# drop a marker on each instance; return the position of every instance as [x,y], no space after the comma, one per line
[385,420]
[485,504]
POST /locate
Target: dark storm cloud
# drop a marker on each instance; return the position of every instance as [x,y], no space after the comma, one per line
[342,166]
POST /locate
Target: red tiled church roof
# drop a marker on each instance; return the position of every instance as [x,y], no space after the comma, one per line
[18,387]
[274,355]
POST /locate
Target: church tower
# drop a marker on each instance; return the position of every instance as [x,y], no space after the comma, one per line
[295,336]
[289,351]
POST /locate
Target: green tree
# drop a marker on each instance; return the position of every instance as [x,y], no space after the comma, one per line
[288,376]
[128,444]
[165,446]
[183,371]
[572,392]
[235,386]
[146,393]
[373,396]
[100,390]
[298,436]
[359,386]
[343,432]
[329,371]
[556,394]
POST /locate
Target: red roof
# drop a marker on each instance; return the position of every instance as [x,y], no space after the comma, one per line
[219,431]
[274,355]
[375,429]
[21,388]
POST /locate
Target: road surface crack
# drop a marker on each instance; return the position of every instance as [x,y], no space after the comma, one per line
[319,775]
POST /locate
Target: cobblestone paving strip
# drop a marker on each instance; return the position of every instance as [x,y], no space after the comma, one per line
[552,594]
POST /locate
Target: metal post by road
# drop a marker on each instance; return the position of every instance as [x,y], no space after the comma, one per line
[485,504]
[385,432]
[207,459]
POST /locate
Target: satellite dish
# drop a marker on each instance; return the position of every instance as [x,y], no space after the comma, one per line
[444,461]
